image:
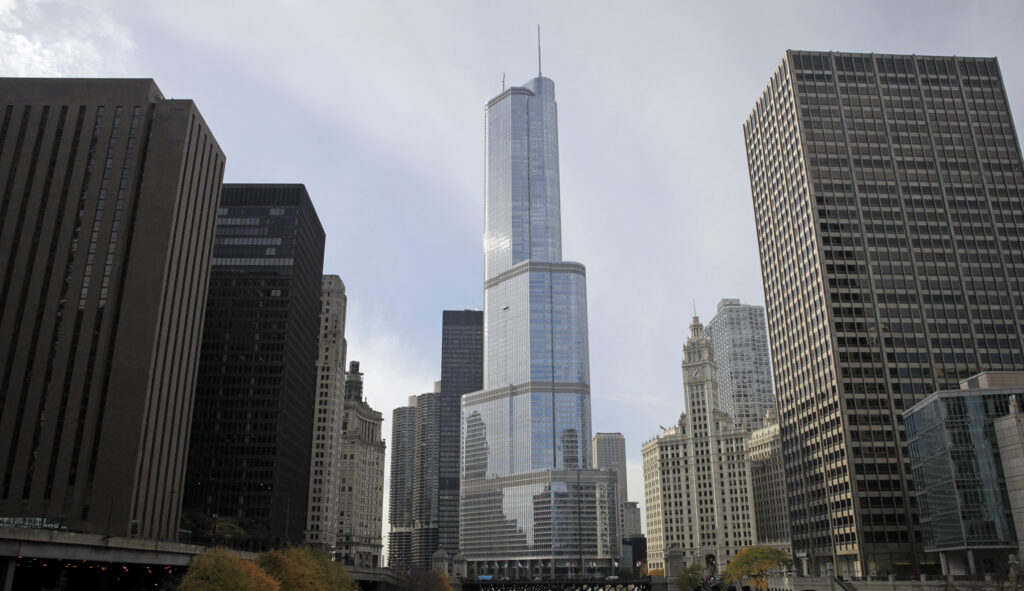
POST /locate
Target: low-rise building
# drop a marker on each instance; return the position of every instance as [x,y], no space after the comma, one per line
[957,462]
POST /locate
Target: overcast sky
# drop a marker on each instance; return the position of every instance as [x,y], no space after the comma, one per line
[377,107]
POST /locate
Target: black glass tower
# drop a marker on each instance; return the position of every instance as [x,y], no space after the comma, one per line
[249,452]
[462,371]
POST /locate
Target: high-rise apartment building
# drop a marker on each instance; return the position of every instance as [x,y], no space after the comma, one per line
[740,338]
[110,195]
[324,476]
[400,513]
[697,474]
[527,496]
[249,452]
[887,193]
[768,482]
[361,504]
[426,470]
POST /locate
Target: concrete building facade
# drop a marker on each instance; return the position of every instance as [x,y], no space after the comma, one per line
[106,234]
[400,512]
[632,522]
[740,338]
[361,505]
[768,481]
[1010,437]
[609,451]
[697,480]
[322,521]
[887,201]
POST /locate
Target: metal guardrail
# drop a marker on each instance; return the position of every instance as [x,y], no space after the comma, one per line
[558,585]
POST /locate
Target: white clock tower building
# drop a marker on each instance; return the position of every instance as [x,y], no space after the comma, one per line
[697,474]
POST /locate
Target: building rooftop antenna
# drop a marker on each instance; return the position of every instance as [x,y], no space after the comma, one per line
[503,81]
[538,51]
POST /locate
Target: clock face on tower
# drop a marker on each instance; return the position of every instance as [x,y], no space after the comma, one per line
[695,374]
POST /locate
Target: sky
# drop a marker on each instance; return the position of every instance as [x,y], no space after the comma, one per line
[378,108]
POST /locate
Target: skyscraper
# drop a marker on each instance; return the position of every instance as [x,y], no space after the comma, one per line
[462,371]
[106,232]
[249,451]
[887,193]
[740,339]
[436,479]
[400,513]
[609,451]
[361,506]
[325,470]
[426,470]
[527,497]
[697,473]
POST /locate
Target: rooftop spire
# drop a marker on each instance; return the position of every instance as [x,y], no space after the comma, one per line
[538,51]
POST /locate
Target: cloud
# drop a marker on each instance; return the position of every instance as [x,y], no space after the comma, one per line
[55,38]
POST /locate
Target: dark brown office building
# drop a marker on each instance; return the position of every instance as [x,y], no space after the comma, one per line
[888,194]
[109,197]
[249,453]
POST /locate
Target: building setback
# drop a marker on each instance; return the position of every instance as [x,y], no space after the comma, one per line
[107,214]
[322,522]
[527,495]
[740,339]
[249,452]
[697,488]
[888,192]
[361,506]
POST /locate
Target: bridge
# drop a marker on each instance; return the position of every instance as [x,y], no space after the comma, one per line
[79,561]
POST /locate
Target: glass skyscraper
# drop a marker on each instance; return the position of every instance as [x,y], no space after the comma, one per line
[529,502]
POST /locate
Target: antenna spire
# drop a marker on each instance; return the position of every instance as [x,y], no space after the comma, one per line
[538,51]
